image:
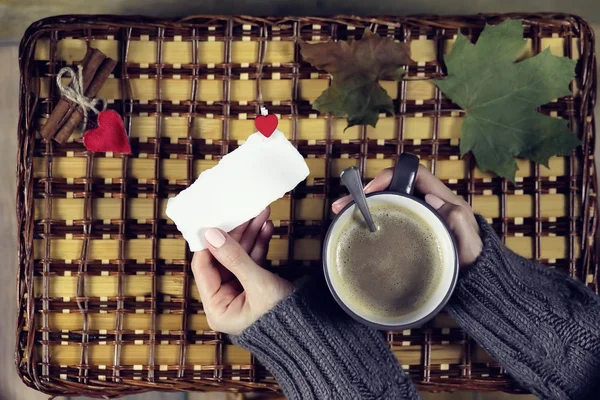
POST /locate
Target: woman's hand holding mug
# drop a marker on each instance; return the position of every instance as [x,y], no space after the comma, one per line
[454,210]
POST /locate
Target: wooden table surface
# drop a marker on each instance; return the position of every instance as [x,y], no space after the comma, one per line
[10,385]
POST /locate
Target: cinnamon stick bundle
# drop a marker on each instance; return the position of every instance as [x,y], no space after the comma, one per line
[66,116]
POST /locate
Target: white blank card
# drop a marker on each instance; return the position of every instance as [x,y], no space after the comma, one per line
[238,188]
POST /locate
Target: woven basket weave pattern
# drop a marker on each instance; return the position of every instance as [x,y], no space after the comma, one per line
[107,302]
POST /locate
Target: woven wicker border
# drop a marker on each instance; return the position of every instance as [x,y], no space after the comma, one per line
[26,362]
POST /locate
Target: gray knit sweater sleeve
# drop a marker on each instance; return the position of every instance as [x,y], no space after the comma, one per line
[315,351]
[542,326]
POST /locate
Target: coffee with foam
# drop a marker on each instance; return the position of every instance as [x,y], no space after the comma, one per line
[391,272]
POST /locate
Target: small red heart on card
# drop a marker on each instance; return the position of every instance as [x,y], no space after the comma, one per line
[266,124]
[110,135]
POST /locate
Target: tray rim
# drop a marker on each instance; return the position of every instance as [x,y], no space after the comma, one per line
[24,179]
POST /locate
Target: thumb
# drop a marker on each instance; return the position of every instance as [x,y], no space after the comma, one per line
[232,256]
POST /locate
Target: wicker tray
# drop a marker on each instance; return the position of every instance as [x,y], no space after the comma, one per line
[107,305]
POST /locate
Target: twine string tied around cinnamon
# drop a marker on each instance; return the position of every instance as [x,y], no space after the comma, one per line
[75,93]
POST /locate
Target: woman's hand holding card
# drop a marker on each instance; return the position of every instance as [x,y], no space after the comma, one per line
[234,287]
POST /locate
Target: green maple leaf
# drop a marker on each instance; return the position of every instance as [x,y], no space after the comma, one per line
[500,97]
[356,66]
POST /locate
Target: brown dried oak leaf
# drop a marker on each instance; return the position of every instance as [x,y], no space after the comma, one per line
[356,67]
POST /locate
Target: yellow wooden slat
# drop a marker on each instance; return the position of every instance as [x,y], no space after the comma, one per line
[312,129]
[339,131]
[488,206]
[107,249]
[519,205]
[203,165]
[39,167]
[278,249]
[420,90]
[177,52]
[422,50]
[142,51]
[174,128]
[140,208]
[275,52]
[575,48]
[522,171]
[450,127]
[244,52]
[418,128]
[42,49]
[164,354]
[280,210]
[551,205]
[233,355]
[554,205]
[556,45]
[309,209]
[207,128]
[173,169]
[310,89]
[176,89]
[171,127]
[131,322]
[103,208]
[146,89]
[556,166]
[211,52]
[143,127]
[408,355]
[555,247]
[69,167]
[316,167]
[272,90]
[451,169]
[279,52]
[141,168]
[386,129]
[210,90]
[71,50]
[440,354]
[111,89]
[521,245]
[107,286]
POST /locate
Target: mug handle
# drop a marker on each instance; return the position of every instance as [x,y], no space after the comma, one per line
[405,174]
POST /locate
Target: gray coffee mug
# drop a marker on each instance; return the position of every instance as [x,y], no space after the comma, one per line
[399,194]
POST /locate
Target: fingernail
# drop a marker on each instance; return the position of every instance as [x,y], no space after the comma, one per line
[338,202]
[434,201]
[366,189]
[215,238]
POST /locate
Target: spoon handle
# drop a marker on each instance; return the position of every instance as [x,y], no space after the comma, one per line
[351,178]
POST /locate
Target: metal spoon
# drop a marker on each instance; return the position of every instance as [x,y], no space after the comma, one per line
[351,178]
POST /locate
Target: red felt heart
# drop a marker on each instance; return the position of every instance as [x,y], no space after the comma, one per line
[266,124]
[110,135]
